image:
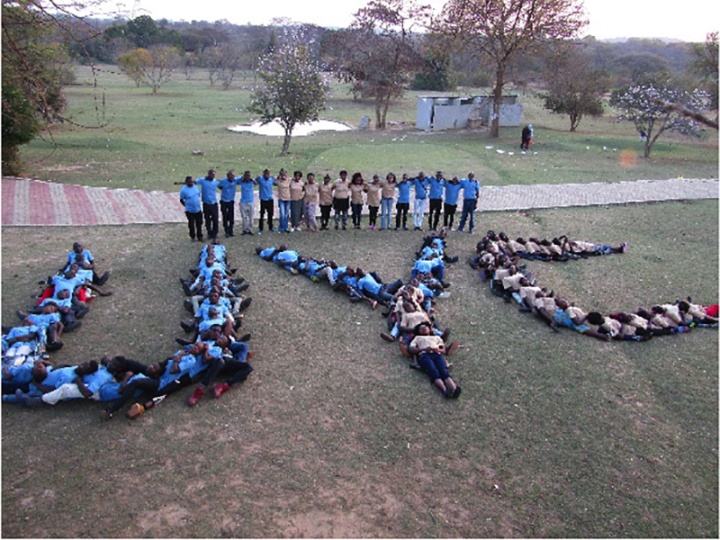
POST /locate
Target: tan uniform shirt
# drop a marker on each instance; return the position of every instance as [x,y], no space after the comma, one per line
[388,189]
[342,189]
[373,194]
[297,190]
[326,194]
[311,193]
[283,189]
[356,193]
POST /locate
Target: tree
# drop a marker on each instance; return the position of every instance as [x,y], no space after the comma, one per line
[574,88]
[34,69]
[644,104]
[706,65]
[150,67]
[501,29]
[292,89]
[379,52]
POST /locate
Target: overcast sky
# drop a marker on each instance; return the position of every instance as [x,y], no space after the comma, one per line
[687,20]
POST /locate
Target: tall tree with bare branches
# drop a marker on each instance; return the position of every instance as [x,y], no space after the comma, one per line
[499,30]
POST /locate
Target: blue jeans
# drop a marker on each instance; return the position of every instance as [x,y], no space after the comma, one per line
[284,209]
[434,365]
[386,205]
[468,210]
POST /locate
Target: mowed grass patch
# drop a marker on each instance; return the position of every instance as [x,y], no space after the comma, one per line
[333,435]
[147,141]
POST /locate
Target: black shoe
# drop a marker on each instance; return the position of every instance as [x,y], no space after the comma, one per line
[102,279]
[20,315]
[6,329]
[187,304]
[80,313]
[72,326]
[244,338]
[54,346]
[181,341]
[186,287]
[187,327]
[244,304]
[243,287]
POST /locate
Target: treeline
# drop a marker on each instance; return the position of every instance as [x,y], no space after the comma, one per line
[224,48]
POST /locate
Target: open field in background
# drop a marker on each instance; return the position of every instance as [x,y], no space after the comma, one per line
[555,435]
[147,142]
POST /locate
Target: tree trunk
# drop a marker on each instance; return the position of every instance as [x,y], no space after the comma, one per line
[286,140]
[497,101]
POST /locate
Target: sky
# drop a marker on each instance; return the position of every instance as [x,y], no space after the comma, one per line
[687,20]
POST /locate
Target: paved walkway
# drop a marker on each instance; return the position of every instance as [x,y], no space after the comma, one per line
[37,203]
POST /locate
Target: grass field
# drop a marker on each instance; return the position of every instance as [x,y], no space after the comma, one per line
[147,141]
[555,435]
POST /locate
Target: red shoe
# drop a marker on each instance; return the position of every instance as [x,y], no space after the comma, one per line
[196,395]
[220,388]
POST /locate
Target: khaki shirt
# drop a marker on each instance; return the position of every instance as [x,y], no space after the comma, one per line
[388,189]
[425,342]
[297,190]
[311,193]
[342,189]
[326,195]
[356,193]
[373,194]
[283,189]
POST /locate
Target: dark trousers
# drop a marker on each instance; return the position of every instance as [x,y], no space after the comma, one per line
[266,206]
[401,210]
[356,214]
[373,214]
[147,386]
[325,215]
[449,214]
[210,213]
[434,215]
[228,216]
[194,224]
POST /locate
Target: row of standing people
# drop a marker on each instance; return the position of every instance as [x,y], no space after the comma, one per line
[298,202]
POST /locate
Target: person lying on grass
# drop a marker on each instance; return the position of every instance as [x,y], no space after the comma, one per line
[430,351]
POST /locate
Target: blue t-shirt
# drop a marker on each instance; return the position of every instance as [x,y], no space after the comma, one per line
[191,196]
[403,189]
[62,283]
[471,188]
[423,266]
[420,188]
[94,381]
[452,192]
[247,192]
[208,187]
[228,189]
[265,253]
[44,320]
[286,257]
[187,361]
[20,374]
[57,377]
[436,188]
[265,192]
[368,283]
[71,256]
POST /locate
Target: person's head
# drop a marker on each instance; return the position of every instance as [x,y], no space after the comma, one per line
[343,174]
[524,282]
[376,179]
[153,370]
[214,332]
[230,174]
[595,318]
[357,178]
[658,310]
[491,235]
[258,249]
[283,247]
[189,181]
[359,272]
[503,236]
[247,176]
[423,329]
[684,305]
[223,341]
[86,368]
[390,177]
[326,179]
[49,307]
[63,294]
[297,175]
[213,312]
[471,176]
[116,364]
[520,240]
[421,175]
[266,174]
[77,247]
[310,178]
[556,241]
[39,371]
[438,175]
[80,258]
[214,297]
[211,174]
[209,260]
[408,306]
[72,271]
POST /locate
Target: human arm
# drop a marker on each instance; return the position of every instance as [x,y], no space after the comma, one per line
[83,389]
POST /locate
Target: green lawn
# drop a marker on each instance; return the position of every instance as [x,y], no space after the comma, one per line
[555,435]
[148,141]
